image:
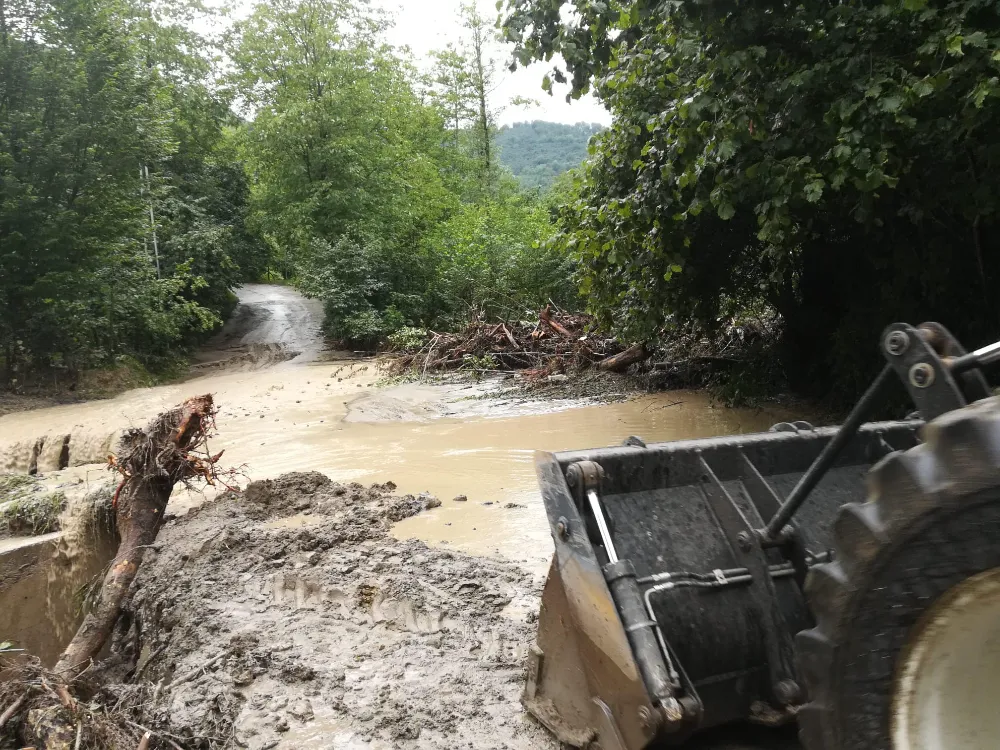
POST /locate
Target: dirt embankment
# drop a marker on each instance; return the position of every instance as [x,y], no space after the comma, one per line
[288,617]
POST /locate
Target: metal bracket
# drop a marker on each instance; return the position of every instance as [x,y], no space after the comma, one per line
[925,376]
[767,502]
[746,548]
[585,478]
[945,345]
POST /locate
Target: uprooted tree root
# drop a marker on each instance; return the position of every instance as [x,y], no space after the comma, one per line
[41,704]
[41,711]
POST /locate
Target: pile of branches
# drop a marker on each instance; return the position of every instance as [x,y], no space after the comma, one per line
[557,342]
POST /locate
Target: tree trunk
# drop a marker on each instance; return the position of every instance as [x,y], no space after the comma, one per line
[623,361]
[152,461]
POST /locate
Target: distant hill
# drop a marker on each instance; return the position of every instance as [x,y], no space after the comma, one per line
[538,152]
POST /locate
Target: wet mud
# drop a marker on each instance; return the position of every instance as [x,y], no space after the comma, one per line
[331,633]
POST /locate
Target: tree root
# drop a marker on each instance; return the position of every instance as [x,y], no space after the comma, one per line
[172,449]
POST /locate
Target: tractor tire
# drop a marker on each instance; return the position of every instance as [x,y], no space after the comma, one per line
[905,654]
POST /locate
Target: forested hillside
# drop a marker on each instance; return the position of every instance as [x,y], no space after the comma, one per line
[539,152]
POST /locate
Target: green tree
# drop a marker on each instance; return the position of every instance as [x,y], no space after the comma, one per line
[94,95]
[347,160]
[836,161]
[494,260]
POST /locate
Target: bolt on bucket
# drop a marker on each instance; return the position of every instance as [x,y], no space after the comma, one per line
[667,610]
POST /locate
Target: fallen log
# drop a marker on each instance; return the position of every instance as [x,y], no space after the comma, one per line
[151,462]
[545,316]
[623,361]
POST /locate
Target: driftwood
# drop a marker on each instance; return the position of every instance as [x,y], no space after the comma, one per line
[554,343]
[172,449]
[151,462]
[623,361]
[545,316]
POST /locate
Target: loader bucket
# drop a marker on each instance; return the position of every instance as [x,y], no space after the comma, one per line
[658,620]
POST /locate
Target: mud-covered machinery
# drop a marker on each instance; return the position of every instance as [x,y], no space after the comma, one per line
[845,578]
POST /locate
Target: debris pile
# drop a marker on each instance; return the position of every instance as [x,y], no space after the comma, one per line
[557,342]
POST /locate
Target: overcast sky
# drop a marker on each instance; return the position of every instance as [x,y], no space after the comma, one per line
[426,25]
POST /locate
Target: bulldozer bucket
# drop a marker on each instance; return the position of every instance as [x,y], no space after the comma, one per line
[658,618]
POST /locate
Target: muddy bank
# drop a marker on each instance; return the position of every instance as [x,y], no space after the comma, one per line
[290,618]
[43,579]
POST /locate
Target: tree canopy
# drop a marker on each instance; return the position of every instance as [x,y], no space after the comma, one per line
[836,162]
[378,185]
[120,229]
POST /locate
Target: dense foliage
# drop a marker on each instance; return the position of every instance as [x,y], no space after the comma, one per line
[836,162]
[96,96]
[381,189]
[539,152]
[134,200]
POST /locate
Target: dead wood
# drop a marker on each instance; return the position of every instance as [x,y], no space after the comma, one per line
[151,462]
[625,359]
[546,317]
[555,342]
[11,710]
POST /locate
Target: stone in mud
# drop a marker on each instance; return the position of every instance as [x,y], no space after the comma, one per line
[302,710]
[512,506]
[430,501]
[461,499]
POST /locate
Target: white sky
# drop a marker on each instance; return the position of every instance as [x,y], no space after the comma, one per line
[426,25]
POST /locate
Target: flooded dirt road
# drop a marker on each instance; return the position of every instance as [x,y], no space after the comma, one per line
[297,413]
[312,615]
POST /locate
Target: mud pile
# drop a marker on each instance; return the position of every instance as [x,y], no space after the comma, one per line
[288,617]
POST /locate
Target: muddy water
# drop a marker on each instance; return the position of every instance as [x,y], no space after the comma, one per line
[425,439]
[491,462]
[41,581]
[300,413]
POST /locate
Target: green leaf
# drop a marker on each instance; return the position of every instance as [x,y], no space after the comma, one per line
[726,211]
[954,45]
[914,4]
[814,190]
[890,103]
[726,150]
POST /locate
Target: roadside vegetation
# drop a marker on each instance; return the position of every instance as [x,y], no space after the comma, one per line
[832,163]
[148,170]
[775,188]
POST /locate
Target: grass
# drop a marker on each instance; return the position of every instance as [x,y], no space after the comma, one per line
[25,510]
[13,486]
[33,515]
